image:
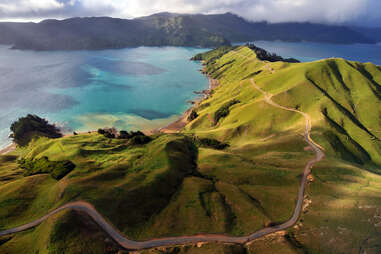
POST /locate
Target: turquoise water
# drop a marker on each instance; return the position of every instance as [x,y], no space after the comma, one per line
[140,88]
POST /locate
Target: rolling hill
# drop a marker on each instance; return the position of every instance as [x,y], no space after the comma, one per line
[234,169]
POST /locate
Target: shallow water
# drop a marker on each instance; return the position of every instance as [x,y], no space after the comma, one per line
[138,88]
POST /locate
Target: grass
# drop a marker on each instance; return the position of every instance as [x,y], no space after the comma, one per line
[347,91]
[171,187]
[343,215]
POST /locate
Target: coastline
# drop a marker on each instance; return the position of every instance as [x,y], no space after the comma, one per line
[174,127]
[8,149]
[179,124]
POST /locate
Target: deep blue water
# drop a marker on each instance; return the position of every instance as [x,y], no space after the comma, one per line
[310,51]
[139,88]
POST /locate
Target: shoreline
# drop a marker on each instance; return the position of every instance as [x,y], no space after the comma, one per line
[174,127]
[8,149]
[178,125]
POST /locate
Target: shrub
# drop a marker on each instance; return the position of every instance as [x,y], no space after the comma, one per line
[25,128]
[224,110]
[109,135]
[57,169]
[140,140]
[101,131]
[211,143]
[124,135]
[193,115]
[62,168]
[136,133]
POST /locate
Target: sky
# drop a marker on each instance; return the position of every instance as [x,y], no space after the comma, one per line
[357,12]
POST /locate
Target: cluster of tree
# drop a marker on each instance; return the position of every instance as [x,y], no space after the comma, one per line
[26,128]
[134,137]
[108,132]
[57,169]
[224,110]
[272,57]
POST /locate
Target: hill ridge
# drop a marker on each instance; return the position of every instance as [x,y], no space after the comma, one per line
[166,29]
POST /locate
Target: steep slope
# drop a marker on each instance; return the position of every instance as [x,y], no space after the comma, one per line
[343,98]
[341,212]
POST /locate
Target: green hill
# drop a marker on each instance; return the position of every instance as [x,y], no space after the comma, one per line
[234,169]
[343,98]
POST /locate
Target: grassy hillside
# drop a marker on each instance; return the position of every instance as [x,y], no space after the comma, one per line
[180,184]
[342,97]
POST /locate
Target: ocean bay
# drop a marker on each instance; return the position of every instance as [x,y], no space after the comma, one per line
[137,88]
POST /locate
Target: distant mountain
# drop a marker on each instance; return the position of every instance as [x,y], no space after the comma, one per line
[167,29]
[374,33]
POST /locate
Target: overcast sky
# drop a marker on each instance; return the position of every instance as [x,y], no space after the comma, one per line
[360,12]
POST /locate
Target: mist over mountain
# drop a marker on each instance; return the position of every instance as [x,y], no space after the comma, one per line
[169,29]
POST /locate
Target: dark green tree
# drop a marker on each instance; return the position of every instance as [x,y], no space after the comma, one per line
[26,128]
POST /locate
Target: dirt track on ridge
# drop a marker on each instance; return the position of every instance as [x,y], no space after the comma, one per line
[181,240]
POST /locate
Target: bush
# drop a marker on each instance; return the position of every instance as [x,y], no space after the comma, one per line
[129,135]
[109,135]
[101,131]
[136,133]
[193,115]
[25,128]
[124,135]
[140,140]
[57,169]
[224,110]
[135,137]
[62,168]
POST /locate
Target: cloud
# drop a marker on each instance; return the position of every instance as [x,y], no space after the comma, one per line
[20,7]
[325,11]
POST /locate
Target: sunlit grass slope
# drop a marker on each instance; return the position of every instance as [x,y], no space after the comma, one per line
[342,97]
[129,185]
[170,187]
[148,191]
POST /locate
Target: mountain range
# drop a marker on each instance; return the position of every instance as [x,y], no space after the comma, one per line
[169,29]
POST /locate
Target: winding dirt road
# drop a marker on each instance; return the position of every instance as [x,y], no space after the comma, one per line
[181,240]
